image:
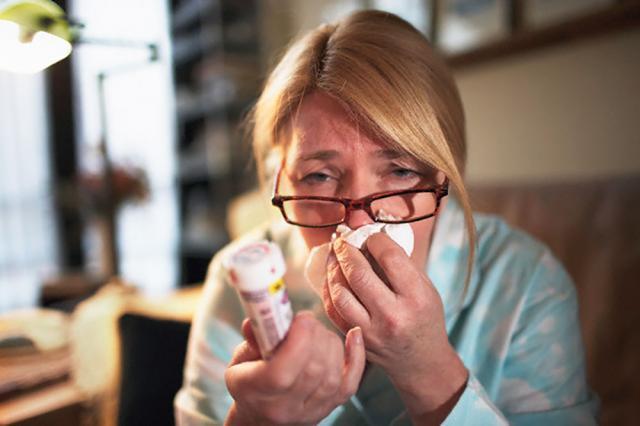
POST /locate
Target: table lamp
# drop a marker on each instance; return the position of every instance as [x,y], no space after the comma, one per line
[34,34]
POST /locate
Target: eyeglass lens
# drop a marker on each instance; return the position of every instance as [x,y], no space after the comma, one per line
[396,207]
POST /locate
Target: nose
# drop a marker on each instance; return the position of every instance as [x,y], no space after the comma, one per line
[357,218]
[360,186]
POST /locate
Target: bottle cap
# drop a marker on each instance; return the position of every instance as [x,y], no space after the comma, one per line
[255,266]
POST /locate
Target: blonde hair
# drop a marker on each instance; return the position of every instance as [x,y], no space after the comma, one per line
[389,77]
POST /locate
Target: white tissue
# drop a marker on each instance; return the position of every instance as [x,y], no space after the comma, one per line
[315,270]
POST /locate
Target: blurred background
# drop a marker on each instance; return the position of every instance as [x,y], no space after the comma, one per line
[124,169]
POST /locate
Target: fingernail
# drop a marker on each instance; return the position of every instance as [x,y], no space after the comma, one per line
[357,335]
[331,259]
[338,244]
[354,338]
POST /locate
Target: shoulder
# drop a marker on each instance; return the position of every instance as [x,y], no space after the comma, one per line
[499,245]
[519,312]
[509,259]
[509,265]
[519,286]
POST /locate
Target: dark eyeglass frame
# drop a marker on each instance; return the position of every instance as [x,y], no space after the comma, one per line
[364,203]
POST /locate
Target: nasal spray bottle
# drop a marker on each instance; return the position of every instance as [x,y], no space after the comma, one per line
[256,271]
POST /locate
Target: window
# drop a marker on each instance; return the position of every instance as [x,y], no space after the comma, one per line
[27,235]
[140,129]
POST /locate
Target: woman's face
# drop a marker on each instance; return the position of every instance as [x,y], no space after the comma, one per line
[329,155]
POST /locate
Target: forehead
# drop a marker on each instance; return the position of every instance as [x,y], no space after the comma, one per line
[323,124]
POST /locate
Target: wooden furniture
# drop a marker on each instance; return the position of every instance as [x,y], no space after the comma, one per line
[57,404]
[619,16]
[36,388]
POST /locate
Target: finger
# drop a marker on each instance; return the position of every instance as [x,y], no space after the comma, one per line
[244,352]
[398,268]
[291,356]
[331,310]
[249,335]
[279,373]
[322,399]
[355,360]
[374,294]
[243,360]
[319,364]
[340,302]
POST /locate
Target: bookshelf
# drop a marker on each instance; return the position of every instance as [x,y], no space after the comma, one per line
[216,74]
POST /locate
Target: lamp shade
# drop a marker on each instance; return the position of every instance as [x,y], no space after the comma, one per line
[34,34]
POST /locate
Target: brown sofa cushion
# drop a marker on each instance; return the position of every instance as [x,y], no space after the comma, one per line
[594,229]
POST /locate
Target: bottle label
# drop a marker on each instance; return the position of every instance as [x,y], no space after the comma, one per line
[270,313]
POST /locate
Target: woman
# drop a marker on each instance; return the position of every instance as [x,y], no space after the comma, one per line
[469,329]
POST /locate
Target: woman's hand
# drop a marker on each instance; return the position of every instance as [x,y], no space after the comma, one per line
[308,375]
[402,321]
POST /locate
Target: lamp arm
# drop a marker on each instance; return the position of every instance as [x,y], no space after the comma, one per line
[151,47]
[111,218]
[103,75]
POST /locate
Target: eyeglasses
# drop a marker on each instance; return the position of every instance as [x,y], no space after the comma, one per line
[409,205]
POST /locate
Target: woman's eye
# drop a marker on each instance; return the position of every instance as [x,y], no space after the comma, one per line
[404,173]
[317,177]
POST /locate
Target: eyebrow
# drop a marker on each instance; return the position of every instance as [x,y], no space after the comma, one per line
[390,154]
[328,154]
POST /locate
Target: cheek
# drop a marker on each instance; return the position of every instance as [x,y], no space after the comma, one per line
[316,236]
[422,231]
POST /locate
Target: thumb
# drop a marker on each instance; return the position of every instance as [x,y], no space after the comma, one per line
[355,361]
